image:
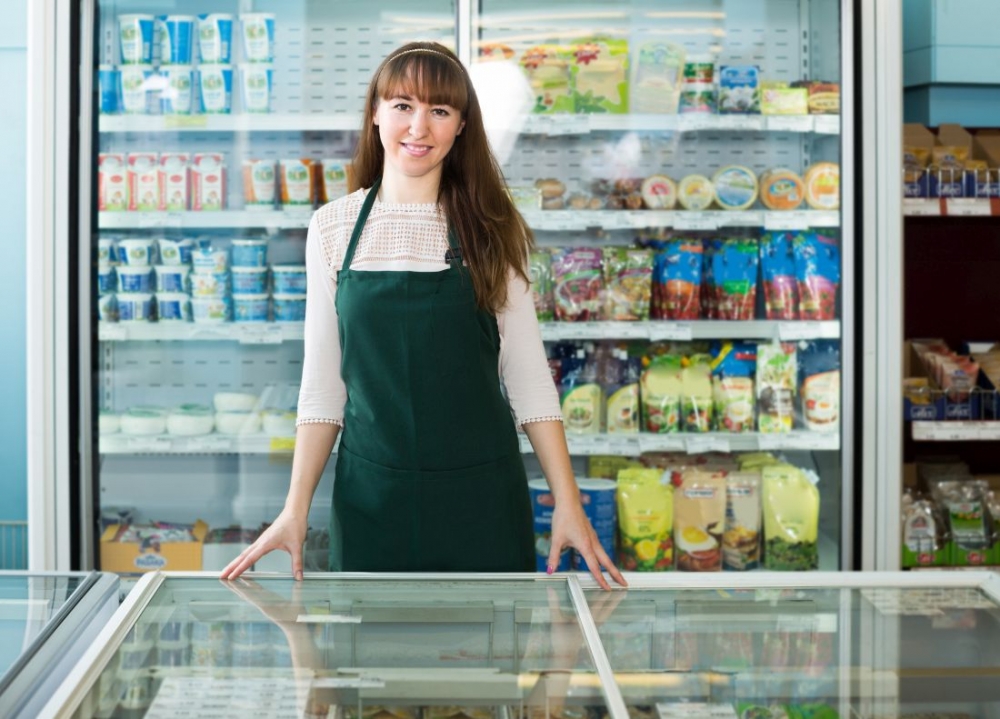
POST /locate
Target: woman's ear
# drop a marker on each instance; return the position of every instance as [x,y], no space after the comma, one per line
[460,128]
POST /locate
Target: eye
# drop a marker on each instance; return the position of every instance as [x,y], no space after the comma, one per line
[441,112]
[401,106]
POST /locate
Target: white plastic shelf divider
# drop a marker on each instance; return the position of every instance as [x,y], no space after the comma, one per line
[974,431]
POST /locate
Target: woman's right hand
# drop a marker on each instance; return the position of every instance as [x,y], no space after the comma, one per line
[288,532]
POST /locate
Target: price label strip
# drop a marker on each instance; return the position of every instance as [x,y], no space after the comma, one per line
[696,221]
[918,207]
[966,207]
[111,332]
[947,431]
[694,122]
[670,331]
[568,124]
[707,443]
[780,221]
[791,123]
[827,124]
[159,219]
[804,330]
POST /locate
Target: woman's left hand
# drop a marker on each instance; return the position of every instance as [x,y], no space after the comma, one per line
[571,528]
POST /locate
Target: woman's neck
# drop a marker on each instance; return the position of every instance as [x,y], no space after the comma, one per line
[399,189]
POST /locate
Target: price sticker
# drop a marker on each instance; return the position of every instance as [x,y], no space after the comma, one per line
[111,332]
[706,443]
[742,219]
[210,444]
[791,331]
[809,441]
[966,207]
[827,124]
[740,122]
[282,444]
[920,207]
[780,221]
[263,334]
[695,121]
[183,122]
[568,124]
[623,446]
[790,123]
[597,444]
[696,221]
[149,444]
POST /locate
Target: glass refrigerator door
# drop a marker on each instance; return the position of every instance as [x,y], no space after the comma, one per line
[680,165]
[221,127]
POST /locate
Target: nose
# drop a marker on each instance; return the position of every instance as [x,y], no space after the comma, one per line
[418,123]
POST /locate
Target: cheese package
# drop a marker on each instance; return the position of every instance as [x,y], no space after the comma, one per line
[781,189]
[695,193]
[600,82]
[659,192]
[735,188]
[823,186]
[824,97]
[778,99]
[656,77]
[739,89]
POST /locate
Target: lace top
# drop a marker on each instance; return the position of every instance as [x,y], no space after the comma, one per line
[405,238]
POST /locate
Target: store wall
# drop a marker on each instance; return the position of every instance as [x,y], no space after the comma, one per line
[13,240]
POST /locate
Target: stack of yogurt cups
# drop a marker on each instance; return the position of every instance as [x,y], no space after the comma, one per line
[157,74]
[125,279]
[251,302]
[210,283]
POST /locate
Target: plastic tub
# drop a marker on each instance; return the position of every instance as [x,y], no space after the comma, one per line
[176,39]
[289,279]
[191,420]
[107,308]
[234,402]
[135,252]
[173,307]
[210,309]
[135,279]
[289,308]
[251,308]
[210,284]
[249,280]
[135,307]
[237,422]
[144,421]
[135,36]
[249,253]
[215,38]
[258,36]
[171,278]
[257,83]
[106,253]
[105,279]
[175,252]
[210,259]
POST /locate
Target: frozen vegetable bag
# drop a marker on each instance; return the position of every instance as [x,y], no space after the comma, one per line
[791,519]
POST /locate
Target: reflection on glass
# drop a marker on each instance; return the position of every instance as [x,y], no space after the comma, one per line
[27,604]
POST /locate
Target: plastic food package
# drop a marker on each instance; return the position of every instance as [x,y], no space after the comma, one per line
[621,382]
[734,277]
[733,370]
[677,276]
[777,261]
[697,405]
[540,274]
[581,397]
[645,521]
[819,373]
[739,89]
[655,81]
[660,392]
[579,284]
[628,283]
[790,503]
[817,272]
[741,540]
[699,521]
[777,376]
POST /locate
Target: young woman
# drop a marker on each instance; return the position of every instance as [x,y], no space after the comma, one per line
[418,307]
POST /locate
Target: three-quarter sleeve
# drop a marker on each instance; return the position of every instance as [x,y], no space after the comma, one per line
[524,367]
[322,394]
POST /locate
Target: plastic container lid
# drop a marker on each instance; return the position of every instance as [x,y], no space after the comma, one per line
[736,187]
[695,192]
[659,192]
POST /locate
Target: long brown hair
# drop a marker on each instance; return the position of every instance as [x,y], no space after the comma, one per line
[493,235]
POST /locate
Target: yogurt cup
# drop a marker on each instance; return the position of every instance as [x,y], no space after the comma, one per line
[210,310]
[135,37]
[136,252]
[215,38]
[279,423]
[258,36]
[289,279]
[298,183]
[216,84]
[171,278]
[207,258]
[249,253]
[105,279]
[289,308]
[257,83]
[251,308]
[135,307]
[138,89]
[334,184]
[178,90]
[237,422]
[176,34]
[173,307]
[134,279]
[106,251]
[107,308]
[210,284]
[109,83]
[175,252]
[108,423]
[249,280]
[259,184]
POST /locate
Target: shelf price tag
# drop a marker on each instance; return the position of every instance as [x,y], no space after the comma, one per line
[623,446]
[597,444]
[209,444]
[809,441]
[149,444]
[568,124]
[676,331]
[740,122]
[967,207]
[790,123]
[989,431]
[660,442]
[692,122]
[262,334]
[293,219]
[159,219]
[768,442]
[947,431]
[623,220]
[706,443]
[920,207]
[741,219]
[803,330]
[827,124]
[695,221]
[180,122]
[786,221]
[347,683]
[111,332]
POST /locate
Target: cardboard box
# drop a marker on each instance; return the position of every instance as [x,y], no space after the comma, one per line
[934,404]
[918,143]
[953,144]
[136,558]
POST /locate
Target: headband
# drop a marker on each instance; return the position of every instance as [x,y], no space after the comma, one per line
[433,52]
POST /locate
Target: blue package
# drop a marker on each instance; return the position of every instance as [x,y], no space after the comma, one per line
[739,90]
[734,359]
[734,279]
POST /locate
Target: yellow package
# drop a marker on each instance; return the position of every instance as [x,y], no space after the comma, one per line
[601,466]
[756,460]
[645,521]
[791,519]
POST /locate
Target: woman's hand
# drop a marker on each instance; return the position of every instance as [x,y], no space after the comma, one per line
[287,533]
[571,528]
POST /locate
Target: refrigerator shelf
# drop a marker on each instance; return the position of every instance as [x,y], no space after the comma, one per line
[543,220]
[957,431]
[532,125]
[625,446]
[951,207]
[278,332]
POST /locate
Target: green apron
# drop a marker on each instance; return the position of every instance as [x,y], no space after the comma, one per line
[429,472]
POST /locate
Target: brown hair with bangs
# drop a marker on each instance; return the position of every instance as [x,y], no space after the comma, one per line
[473,194]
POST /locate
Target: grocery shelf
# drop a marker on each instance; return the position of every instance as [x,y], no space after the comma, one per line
[956,431]
[244,333]
[318,122]
[545,220]
[951,207]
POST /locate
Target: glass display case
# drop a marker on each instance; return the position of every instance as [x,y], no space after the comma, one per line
[808,646]
[46,623]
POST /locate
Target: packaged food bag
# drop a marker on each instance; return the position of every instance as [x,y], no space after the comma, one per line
[645,521]
[790,503]
[777,264]
[656,77]
[600,75]
[777,376]
[697,403]
[699,521]
[548,70]
[621,383]
[628,280]
[817,272]
[741,540]
[733,368]
[734,275]
[678,271]
[819,384]
[581,396]
[660,391]
[579,284]
[540,274]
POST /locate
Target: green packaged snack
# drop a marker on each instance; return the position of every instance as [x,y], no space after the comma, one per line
[660,391]
[540,274]
[628,282]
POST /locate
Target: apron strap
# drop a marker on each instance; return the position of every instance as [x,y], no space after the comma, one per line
[359,225]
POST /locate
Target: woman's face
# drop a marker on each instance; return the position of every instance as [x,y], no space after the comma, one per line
[416,136]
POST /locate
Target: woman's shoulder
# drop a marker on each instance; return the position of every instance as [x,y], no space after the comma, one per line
[340,211]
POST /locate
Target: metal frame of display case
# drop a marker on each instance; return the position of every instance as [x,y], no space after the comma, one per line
[879,650]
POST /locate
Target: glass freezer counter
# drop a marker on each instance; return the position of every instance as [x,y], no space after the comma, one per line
[761,646]
[47,621]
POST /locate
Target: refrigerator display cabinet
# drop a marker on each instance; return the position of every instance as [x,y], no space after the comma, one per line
[807,645]
[170,170]
[47,622]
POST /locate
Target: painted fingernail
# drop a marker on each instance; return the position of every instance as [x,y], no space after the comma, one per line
[550,569]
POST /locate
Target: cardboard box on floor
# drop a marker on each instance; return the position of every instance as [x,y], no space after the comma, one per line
[135,558]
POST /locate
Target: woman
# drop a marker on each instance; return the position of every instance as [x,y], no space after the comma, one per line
[418,306]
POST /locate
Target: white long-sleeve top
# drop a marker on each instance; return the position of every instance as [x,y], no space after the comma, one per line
[405,238]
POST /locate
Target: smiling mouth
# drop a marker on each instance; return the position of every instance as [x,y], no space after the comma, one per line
[418,150]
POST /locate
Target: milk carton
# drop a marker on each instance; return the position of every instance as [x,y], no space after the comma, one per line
[258,36]
[215,38]
[143,181]
[216,82]
[298,183]
[112,183]
[208,181]
[173,178]
[257,81]
[259,183]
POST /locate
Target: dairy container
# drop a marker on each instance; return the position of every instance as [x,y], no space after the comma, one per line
[177,97]
[208,259]
[543,505]
[137,307]
[249,280]
[176,34]
[259,184]
[106,254]
[173,307]
[257,83]
[107,308]
[599,504]
[289,308]
[216,84]
[171,278]
[208,181]
[250,308]
[173,179]
[109,84]
[215,38]
[209,284]
[258,36]
[139,89]
[136,252]
[112,183]
[143,181]
[175,252]
[334,184]
[289,279]
[106,279]
[134,279]
[298,183]
[210,309]
[249,253]
[135,36]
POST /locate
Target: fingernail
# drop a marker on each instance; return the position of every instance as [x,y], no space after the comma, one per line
[550,569]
